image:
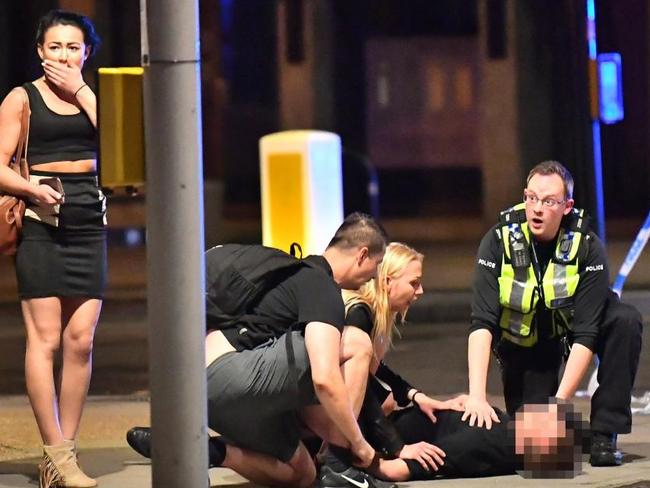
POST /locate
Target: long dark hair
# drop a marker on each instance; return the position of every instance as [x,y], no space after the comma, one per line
[62,17]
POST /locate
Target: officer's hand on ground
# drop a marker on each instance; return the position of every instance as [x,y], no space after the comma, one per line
[428,455]
[478,411]
[364,454]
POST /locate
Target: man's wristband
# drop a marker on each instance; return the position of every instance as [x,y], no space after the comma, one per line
[79,89]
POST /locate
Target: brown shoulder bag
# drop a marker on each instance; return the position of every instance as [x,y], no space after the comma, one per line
[12,208]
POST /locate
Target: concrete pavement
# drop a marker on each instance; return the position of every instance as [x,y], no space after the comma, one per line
[431,356]
[105,455]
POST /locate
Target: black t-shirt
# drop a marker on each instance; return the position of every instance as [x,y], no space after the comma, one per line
[470,451]
[359,315]
[309,294]
[589,298]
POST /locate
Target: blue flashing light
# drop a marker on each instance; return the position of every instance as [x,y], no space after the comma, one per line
[610,88]
[591,29]
[591,10]
[133,237]
[598,177]
[592,48]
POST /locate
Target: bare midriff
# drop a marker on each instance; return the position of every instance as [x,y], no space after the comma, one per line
[81,166]
[216,345]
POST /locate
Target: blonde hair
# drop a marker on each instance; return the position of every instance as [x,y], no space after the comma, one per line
[375,293]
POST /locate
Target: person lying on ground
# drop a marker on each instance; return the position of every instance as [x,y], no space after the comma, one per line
[429,439]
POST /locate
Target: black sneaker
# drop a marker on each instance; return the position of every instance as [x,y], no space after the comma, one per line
[216,451]
[139,438]
[350,478]
[603,450]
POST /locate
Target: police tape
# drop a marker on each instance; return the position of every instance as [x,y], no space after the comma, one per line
[642,406]
[639,405]
[632,256]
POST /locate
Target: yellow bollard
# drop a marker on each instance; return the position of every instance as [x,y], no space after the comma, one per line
[121,128]
[302,190]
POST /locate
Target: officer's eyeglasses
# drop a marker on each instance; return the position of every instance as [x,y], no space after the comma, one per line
[532,199]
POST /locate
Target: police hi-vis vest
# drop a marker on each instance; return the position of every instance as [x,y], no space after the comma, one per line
[520,290]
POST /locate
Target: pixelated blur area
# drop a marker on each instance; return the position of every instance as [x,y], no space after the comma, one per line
[551,440]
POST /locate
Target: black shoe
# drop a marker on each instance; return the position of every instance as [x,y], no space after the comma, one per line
[603,450]
[350,478]
[139,438]
[216,451]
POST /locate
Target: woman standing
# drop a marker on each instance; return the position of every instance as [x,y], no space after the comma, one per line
[61,259]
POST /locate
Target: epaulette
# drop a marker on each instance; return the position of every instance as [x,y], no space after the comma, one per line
[512,215]
[577,221]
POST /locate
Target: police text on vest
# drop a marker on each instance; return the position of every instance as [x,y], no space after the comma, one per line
[598,267]
[486,263]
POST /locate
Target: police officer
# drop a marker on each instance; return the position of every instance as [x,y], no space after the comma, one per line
[541,294]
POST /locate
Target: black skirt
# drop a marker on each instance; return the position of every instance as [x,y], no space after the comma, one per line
[62,251]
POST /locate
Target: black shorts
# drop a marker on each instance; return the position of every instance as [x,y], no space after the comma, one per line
[62,251]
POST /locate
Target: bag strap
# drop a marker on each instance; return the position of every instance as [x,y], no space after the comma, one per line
[23,141]
[294,249]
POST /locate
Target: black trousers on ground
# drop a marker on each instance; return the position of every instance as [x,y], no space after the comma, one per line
[530,375]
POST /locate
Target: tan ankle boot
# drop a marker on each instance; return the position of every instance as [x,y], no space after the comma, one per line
[73,447]
[59,468]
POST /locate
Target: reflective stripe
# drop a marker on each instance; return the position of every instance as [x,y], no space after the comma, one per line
[560,281]
[557,274]
[517,327]
[518,288]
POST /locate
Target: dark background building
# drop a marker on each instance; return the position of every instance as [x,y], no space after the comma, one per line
[448,102]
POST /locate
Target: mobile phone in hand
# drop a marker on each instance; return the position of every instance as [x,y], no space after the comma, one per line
[55,183]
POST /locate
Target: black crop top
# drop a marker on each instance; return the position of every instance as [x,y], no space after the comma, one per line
[56,137]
